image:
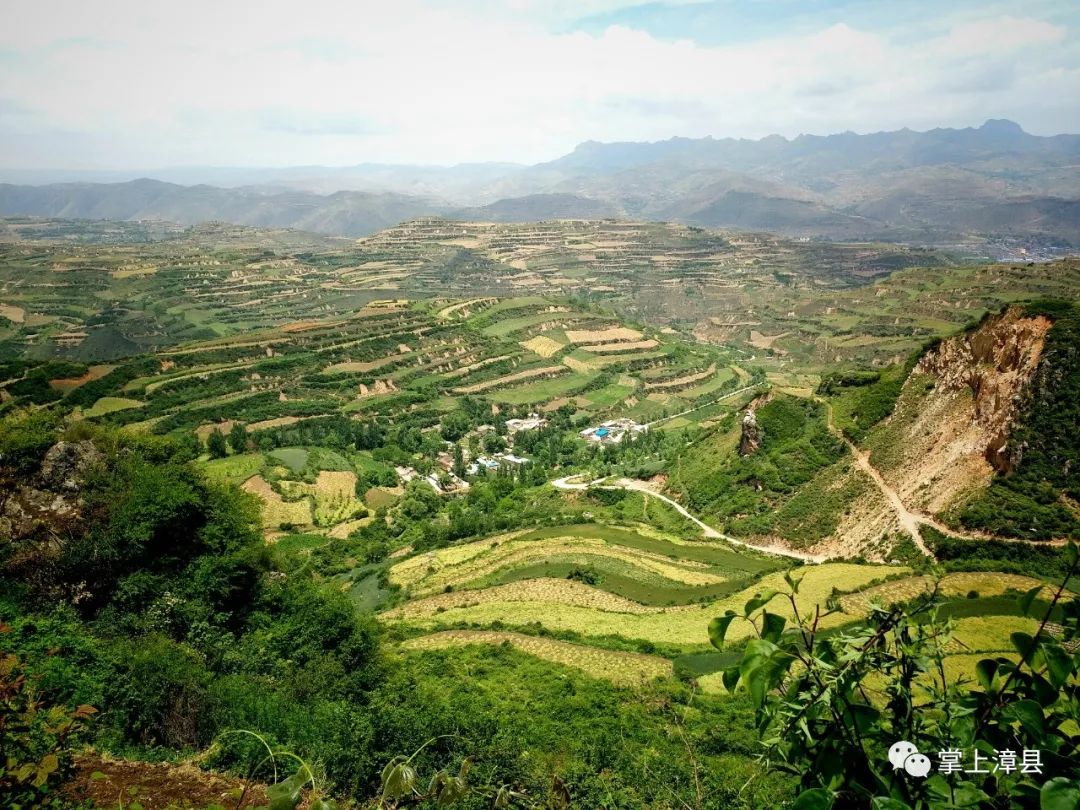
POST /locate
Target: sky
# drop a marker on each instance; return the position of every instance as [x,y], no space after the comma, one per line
[123,84]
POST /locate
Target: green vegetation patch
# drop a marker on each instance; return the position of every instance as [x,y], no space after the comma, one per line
[295,458]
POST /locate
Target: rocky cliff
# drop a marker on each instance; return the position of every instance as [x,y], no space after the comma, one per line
[950,430]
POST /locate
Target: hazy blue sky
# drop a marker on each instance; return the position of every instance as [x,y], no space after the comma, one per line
[142,83]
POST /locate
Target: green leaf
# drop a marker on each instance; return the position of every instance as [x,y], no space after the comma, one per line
[1024,644]
[1027,599]
[1028,713]
[398,779]
[985,671]
[758,600]
[1059,664]
[772,626]
[814,799]
[1070,554]
[792,581]
[1060,793]
[718,628]
[967,795]
[763,668]
[97,776]
[285,795]
[731,678]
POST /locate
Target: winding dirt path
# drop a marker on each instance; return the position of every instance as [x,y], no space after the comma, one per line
[911,520]
[706,530]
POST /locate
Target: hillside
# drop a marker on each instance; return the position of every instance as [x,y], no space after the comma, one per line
[346,213]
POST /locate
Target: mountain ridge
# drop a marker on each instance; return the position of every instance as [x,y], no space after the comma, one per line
[939,186]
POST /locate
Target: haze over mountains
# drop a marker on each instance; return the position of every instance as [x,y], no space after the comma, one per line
[937,186]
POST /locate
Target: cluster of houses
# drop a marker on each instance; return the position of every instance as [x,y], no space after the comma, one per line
[613,431]
[443,484]
[445,481]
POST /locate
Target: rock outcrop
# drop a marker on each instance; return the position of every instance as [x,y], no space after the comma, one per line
[750,440]
[47,506]
[994,362]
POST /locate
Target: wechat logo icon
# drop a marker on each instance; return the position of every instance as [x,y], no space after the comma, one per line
[905,755]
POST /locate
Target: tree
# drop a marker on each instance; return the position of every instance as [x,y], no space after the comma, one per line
[454,425]
[216,445]
[238,437]
[459,461]
[837,709]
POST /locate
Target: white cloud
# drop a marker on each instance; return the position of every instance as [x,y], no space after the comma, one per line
[340,82]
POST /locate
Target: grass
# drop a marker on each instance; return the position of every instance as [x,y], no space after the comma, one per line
[295,458]
[107,405]
[234,469]
[541,391]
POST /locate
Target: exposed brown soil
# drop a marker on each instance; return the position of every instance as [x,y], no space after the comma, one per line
[110,783]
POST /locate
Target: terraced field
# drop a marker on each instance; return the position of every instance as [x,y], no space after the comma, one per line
[620,668]
[298,339]
[684,626]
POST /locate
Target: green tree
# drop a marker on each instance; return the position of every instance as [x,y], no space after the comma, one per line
[454,425]
[216,445]
[238,437]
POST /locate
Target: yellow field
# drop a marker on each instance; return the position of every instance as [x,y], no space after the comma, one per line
[490,556]
[602,335]
[541,589]
[623,346]
[275,510]
[541,345]
[689,379]
[334,493]
[92,373]
[370,365]
[464,308]
[267,424]
[620,668]
[13,313]
[684,625]
[952,585]
[204,431]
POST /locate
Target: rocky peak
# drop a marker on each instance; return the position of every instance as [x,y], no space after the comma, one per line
[750,441]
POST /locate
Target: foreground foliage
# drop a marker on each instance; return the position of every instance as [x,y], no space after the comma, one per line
[830,708]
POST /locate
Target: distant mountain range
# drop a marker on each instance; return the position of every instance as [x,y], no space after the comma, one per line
[941,185]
